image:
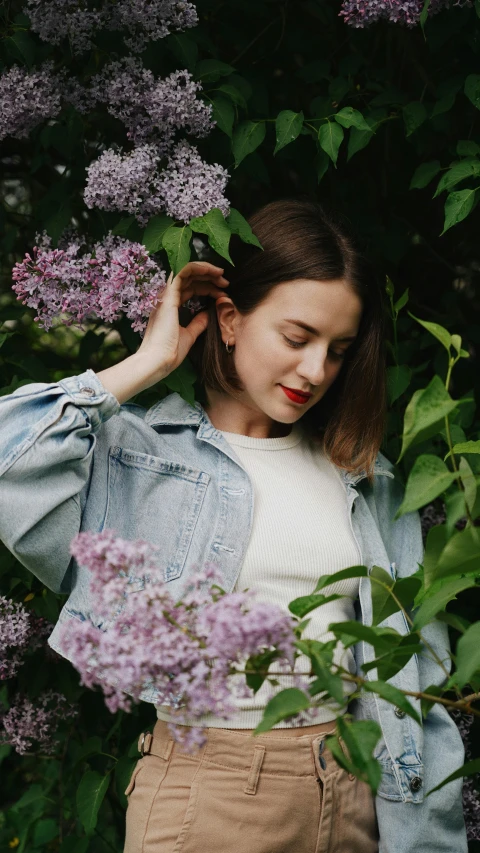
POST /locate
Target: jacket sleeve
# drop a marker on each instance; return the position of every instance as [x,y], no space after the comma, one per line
[47,438]
[440,828]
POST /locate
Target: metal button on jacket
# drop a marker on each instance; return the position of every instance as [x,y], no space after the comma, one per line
[416,783]
[88,391]
[399,713]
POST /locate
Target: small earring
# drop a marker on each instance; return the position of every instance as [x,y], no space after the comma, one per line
[226,347]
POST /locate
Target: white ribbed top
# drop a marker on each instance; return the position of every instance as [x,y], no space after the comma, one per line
[301,531]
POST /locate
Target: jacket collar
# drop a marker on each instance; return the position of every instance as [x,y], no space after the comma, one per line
[173,410]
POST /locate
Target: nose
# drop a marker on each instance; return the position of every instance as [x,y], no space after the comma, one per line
[312,368]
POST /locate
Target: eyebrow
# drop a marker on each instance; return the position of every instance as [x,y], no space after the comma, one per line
[316,333]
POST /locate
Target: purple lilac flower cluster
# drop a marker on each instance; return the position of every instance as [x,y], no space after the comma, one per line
[78,20]
[362,13]
[115,276]
[185,650]
[190,187]
[134,183]
[27,98]
[125,182]
[26,721]
[471,796]
[150,109]
[20,632]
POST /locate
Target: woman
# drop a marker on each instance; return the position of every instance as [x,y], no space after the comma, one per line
[276,478]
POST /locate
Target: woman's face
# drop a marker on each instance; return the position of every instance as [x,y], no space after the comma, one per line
[295,339]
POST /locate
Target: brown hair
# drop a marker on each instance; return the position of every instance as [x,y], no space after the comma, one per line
[301,239]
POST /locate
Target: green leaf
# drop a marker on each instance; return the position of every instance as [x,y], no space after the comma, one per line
[224,114]
[284,704]
[405,590]
[122,227]
[471,768]
[459,172]
[288,125]
[182,381]
[400,303]
[213,224]
[184,48]
[330,137]
[123,773]
[457,207]
[472,89]
[380,593]
[467,148]
[260,662]
[394,695]
[321,655]
[153,234]
[434,545]
[428,478]
[24,45]
[360,738]
[437,331]
[343,574]
[90,794]
[44,832]
[398,380]
[322,162]
[438,601]
[31,795]
[92,746]
[426,704]
[382,639]
[390,663]
[465,447]
[246,138]
[348,117]
[469,483]
[306,603]
[239,225]
[468,655]
[425,413]
[234,94]
[414,114]
[357,140]
[460,556]
[176,242]
[424,174]
[210,70]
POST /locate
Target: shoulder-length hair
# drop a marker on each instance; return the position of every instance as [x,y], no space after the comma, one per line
[302,240]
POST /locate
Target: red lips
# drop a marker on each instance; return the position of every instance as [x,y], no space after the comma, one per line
[295,396]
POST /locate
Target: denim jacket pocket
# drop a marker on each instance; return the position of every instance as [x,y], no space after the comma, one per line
[156,500]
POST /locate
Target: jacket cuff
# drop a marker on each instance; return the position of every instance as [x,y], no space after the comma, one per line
[87,391]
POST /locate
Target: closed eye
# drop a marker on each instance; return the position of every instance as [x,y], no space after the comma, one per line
[295,344]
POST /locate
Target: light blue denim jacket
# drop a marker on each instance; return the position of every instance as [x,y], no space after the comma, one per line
[72,459]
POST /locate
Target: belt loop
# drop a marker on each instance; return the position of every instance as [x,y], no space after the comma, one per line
[252,781]
[144,743]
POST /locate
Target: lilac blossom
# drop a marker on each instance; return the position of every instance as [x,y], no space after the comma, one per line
[191,187]
[114,276]
[75,20]
[21,631]
[125,182]
[27,98]
[149,20]
[152,110]
[14,635]
[362,13]
[27,721]
[186,651]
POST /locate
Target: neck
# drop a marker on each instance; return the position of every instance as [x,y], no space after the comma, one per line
[242,417]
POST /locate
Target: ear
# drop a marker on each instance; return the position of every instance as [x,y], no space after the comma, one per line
[227,316]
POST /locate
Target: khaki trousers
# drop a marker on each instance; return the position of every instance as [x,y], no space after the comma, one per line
[281,792]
